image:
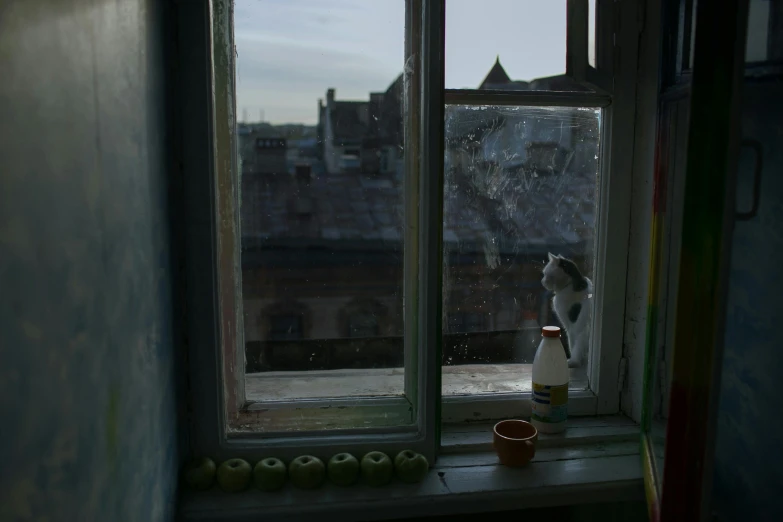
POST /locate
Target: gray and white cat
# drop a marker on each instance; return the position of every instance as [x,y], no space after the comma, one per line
[573,304]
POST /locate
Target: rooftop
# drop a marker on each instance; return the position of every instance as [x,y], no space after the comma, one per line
[506,207]
[358,211]
[496,75]
[498,79]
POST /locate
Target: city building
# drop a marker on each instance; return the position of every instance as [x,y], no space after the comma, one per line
[322,256]
[362,135]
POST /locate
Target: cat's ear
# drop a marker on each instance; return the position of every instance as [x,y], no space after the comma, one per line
[551,257]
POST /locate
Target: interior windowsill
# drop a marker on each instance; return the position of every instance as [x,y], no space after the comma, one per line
[595,460]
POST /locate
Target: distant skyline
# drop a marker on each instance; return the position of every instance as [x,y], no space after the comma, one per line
[290,51]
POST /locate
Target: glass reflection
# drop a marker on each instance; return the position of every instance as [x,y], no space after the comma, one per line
[520,182]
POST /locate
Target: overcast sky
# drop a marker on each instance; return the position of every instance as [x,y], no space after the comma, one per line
[291,51]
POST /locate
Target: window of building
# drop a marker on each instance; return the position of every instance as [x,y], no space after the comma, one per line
[493,179]
[285,327]
[465,322]
[363,324]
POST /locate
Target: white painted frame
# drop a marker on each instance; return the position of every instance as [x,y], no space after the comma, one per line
[607,368]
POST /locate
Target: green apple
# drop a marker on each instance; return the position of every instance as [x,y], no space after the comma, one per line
[377,468]
[307,472]
[343,469]
[411,467]
[234,475]
[269,474]
[199,473]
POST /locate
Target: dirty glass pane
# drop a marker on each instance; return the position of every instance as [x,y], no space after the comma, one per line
[520,182]
[510,45]
[320,137]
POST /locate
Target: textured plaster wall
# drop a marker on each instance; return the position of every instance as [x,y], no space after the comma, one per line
[87,358]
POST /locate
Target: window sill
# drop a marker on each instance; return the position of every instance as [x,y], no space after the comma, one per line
[468,379]
[595,460]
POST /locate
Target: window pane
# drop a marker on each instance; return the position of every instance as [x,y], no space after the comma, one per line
[591,33]
[520,182]
[764,42]
[758,40]
[319,98]
[510,45]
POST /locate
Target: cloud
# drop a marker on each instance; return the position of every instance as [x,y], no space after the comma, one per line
[289,53]
[280,77]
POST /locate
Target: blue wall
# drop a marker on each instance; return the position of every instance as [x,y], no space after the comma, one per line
[87,357]
[748,480]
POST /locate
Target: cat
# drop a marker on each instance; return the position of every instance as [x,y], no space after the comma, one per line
[573,304]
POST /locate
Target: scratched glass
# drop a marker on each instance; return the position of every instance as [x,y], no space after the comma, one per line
[319,104]
[519,182]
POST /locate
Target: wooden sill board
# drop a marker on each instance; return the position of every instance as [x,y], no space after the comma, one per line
[578,472]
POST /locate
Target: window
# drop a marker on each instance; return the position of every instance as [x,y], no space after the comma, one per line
[285,327]
[678,37]
[363,324]
[521,182]
[463,322]
[379,252]
[763,50]
[765,22]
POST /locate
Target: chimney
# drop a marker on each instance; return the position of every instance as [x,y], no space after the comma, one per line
[330,99]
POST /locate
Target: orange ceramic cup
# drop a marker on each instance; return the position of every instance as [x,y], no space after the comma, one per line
[515,442]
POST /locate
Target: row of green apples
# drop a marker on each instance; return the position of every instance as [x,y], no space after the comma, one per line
[305,472]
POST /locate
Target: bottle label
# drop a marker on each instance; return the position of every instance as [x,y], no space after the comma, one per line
[549,403]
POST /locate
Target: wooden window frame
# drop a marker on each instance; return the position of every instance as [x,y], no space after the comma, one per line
[213,273]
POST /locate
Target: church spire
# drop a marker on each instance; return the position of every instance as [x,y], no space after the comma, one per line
[496,76]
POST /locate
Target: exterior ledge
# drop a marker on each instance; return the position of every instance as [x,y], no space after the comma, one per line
[459,380]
